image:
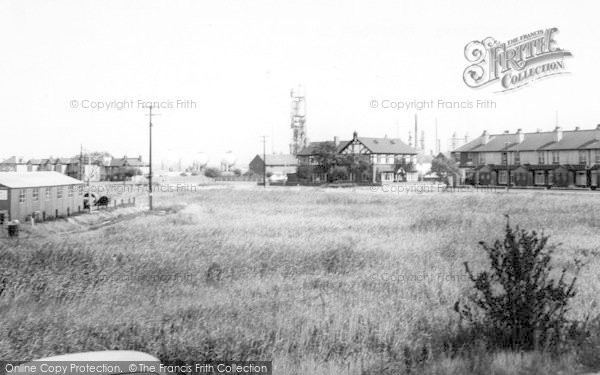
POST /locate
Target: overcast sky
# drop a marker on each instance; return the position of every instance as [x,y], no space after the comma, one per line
[238,60]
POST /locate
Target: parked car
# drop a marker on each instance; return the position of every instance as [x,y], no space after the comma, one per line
[278,177]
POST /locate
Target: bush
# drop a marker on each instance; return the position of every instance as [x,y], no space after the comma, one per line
[303,172]
[521,305]
[212,172]
[339,173]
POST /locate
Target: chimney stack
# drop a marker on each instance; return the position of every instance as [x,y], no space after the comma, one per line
[557,134]
[520,135]
[486,137]
[336,141]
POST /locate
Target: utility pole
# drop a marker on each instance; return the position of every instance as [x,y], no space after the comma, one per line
[81,162]
[150,114]
[264,141]
[507,172]
[416,133]
[437,140]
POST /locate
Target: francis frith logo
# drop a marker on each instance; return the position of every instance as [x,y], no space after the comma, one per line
[514,63]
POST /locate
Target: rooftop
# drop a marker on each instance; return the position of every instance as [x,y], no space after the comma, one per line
[279,159]
[568,140]
[35,179]
[374,145]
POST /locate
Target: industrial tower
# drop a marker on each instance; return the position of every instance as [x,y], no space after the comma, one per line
[298,120]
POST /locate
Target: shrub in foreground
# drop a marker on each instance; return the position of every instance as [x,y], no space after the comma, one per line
[521,301]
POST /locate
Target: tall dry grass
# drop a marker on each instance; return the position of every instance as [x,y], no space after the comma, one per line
[320,282]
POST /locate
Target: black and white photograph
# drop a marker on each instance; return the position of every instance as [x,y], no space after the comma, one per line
[299,187]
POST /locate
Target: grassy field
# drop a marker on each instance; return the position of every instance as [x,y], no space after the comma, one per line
[321,282]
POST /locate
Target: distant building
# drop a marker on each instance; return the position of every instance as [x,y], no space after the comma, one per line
[125,168]
[34,165]
[383,159]
[13,164]
[94,168]
[553,158]
[91,168]
[276,164]
[40,195]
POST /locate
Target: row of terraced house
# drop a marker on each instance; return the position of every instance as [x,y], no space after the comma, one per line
[100,168]
[564,158]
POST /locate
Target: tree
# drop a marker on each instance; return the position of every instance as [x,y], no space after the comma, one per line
[304,172]
[444,167]
[338,173]
[327,156]
[212,172]
[93,155]
[356,164]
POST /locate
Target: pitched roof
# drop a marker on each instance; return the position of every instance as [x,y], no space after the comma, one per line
[36,179]
[387,146]
[497,142]
[533,141]
[313,147]
[13,160]
[574,139]
[131,162]
[443,155]
[424,158]
[87,160]
[279,159]
[571,139]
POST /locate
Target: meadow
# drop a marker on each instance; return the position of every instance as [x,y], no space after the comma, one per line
[321,281]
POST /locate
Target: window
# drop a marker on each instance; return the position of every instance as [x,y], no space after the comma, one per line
[517,157]
[70,191]
[481,158]
[555,157]
[541,159]
[59,192]
[36,195]
[47,193]
[504,158]
[390,159]
[597,156]
[469,157]
[22,196]
[582,157]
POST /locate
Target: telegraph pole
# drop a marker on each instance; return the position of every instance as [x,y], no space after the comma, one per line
[81,168]
[507,172]
[264,141]
[150,114]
